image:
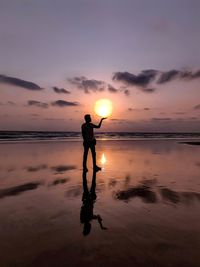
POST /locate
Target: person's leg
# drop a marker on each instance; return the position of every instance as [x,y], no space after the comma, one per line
[93,150]
[85,154]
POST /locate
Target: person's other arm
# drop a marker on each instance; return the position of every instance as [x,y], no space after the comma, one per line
[99,125]
[83,131]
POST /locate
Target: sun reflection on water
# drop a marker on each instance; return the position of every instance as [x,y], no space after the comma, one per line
[103,159]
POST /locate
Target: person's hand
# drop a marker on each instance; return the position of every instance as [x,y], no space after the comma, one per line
[103,118]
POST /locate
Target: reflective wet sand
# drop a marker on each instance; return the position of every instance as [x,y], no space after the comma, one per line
[143,210]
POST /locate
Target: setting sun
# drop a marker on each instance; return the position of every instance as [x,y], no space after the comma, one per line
[103,107]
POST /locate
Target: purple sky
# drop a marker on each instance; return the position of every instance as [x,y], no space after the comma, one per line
[59,57]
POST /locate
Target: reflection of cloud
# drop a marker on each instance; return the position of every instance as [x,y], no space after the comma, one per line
[161,119]
[60,181]
[63,168]
[179,197]
[63,103]
[179,113]
[140,191]
[36,168]
[189,197]
[10,169]
[75,191]
[147,191]
[19,83]
[16,190]
[170,195]
[112,183]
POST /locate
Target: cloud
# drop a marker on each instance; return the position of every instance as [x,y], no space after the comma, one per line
[197,107]
[168,76]
[127,92]
[142,80]
[137,109]
[19,83]
[63,103]
[11,103]
[37,104]
[148,78]
[112,89]
[119,121]
[178,74]
[88,85]
[60,90]
[54,119]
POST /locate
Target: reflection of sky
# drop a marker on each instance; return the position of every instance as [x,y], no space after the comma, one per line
[47,42]
[145,183]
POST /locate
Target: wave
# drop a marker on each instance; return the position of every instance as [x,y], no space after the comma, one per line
[25,136]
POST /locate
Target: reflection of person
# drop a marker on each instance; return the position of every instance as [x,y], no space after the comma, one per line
[89,141]
[88,199]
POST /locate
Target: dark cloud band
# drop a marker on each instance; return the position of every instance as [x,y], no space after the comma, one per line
[37,104]
[87,85]
[60,90]
[19,83]
[146,78]
[63,103]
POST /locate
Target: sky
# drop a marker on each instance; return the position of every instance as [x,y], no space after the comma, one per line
[58,57]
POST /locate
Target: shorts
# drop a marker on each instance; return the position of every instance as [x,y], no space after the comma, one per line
[90,143]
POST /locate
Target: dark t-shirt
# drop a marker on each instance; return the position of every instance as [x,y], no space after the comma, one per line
[88,132]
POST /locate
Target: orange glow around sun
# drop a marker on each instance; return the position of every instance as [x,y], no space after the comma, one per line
[103,107]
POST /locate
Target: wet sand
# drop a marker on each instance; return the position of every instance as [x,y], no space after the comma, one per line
[147,195]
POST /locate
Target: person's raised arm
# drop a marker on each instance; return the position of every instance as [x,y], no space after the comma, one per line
[99,125]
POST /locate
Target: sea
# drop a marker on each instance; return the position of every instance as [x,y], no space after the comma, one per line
[32,136]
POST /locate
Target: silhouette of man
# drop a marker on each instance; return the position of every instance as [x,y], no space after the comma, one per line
[89,141]
[89,197]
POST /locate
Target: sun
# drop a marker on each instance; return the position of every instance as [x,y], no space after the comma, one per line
[103,107]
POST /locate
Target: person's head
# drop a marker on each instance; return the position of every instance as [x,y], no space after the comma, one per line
[87,118]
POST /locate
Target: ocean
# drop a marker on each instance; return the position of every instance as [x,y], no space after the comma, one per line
[30,136]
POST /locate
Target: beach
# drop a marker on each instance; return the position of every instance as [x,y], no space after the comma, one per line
[147,196]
